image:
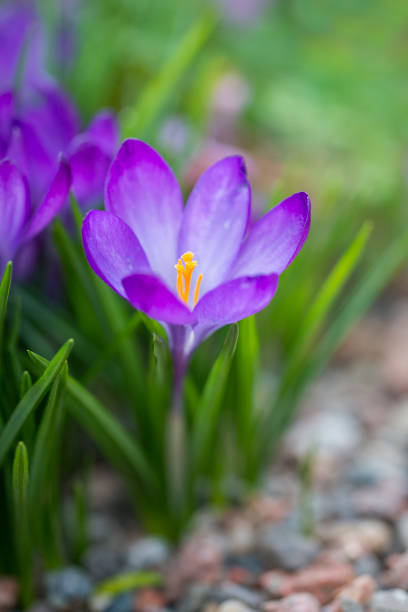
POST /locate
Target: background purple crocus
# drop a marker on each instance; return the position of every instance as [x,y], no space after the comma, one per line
[197,268]
[38,121]
[19,222]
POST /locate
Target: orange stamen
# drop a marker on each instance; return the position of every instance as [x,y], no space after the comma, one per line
[197,289]
[185,267]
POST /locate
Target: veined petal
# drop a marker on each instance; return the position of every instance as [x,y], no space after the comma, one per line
[274,241]
[14,209]
[89,167]
[149,294]
[53,201]
[112,249]
[235,300]
[104,131]
[216,218]
[142,190]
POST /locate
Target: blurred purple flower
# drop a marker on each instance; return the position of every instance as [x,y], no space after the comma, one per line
[38,121]
[242,12]
[35,132]
[143,244]
[19,222]
[21,36]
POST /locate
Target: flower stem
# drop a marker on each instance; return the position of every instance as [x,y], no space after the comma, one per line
[176,440]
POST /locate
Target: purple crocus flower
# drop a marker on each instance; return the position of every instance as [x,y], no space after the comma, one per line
[197,268]
[38,121]
[19,223]
[33,134]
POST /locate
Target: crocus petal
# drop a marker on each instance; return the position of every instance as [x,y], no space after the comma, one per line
[15,21]
[89,166]
[112,249]
[235,300]
[27,150]
[14,209]
[104,131]
[216,218]
[275,240]
[142,190]
[52,114]
[53,201]
[6,115]
[149,294]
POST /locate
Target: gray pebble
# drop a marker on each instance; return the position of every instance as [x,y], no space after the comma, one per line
[229,590]
[67,587]
[233,605]
[286,548]
[395,600]
[121,603]
[149,552]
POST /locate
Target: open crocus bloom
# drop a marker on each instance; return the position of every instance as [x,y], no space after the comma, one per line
[18,222]
[196,268]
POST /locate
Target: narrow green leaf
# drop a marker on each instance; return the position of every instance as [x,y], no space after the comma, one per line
[80,526]
[245,369]
[47,441]
[209,407]
[152,326]
[366,291]
[128,582]
[121,449]
[362,297]
[32,398]
[28,428]
[20,479]
[323,302]
[20,476]
[155,95]
[26,383]
[4,295]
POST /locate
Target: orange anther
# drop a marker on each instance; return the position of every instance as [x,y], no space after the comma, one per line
[184,274]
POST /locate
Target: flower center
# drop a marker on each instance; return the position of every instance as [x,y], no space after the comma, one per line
[185,268]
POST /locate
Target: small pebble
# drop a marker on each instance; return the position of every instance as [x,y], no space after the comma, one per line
[397,574]
[148,553]
[355,596]
[395,600]
[322,581]
[300,602]
[367,564]
[233,605]
[229,590]
[102,562]
[402,529]
[148,600]
[357,538]
[285,548]
[121,603]
[67,587]
[9,592]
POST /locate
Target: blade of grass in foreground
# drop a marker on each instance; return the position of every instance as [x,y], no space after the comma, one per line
[108,433]
[22,534]
[208,409]
[4,294]
[366,291]
[322,304]
[32,398]
[44,470]
[154,96]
